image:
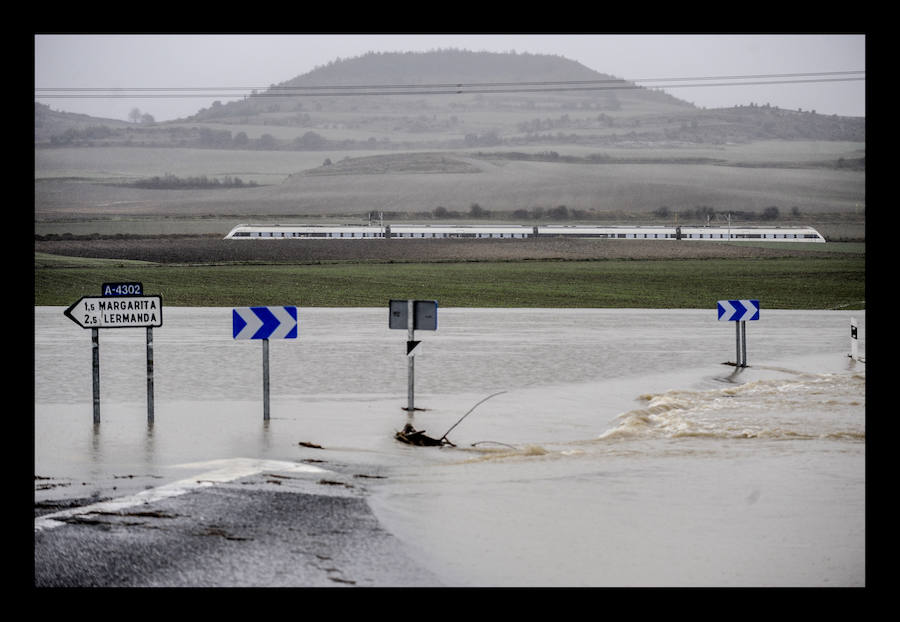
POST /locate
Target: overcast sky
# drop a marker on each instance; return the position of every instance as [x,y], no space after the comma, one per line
[258,61]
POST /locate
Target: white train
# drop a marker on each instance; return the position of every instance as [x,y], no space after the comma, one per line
[362,232]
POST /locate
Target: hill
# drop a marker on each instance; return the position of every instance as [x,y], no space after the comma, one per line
[450,99]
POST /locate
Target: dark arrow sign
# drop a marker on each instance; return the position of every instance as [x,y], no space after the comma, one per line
[410,347]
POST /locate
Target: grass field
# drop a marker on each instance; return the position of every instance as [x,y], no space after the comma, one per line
[836,282]
[74,185]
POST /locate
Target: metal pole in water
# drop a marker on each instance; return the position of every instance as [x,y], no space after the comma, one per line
[150,375]
[95,348]
[743,343]
[854,353]
[265,350]
[410,325]
[737,344]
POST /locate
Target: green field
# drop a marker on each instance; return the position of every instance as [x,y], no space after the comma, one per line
[784,283]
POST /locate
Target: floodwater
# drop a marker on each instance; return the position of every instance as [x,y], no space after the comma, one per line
[621,449]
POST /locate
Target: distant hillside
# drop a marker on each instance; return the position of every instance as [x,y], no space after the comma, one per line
[487,79]
[445,67]
[375,115]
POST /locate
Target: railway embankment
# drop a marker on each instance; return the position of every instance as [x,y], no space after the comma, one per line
[206,250]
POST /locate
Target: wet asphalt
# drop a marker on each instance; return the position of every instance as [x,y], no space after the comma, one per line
[265,530]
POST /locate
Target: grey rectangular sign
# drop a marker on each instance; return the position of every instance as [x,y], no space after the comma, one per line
[424,314]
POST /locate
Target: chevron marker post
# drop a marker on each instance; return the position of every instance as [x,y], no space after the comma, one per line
[264,323]
[739,312]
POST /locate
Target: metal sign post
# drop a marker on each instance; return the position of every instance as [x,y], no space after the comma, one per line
[150,375]
[265,353]
[264,323]
[95,373]
[410,357]
[854,340]
[122,305]
[739,312]
[411,315]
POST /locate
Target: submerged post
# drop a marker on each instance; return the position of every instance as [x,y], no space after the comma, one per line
[854,340]
[743,344]
[411,360]
[95,348]
[265,351]
[149,375]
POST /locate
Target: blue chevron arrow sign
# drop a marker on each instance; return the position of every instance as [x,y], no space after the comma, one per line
[264,322]
[738,310]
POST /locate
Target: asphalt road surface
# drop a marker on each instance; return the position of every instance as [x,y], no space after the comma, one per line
[292,528]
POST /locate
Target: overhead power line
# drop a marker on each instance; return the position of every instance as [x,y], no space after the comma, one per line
[443,88]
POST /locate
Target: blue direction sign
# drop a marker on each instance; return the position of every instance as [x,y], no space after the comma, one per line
[738,310]
[264,322]
[123,289]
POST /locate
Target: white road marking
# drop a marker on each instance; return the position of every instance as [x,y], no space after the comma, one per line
[228,470]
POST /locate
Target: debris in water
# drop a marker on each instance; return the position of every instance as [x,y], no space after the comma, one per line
[411,436]
[331,482]
[308,444]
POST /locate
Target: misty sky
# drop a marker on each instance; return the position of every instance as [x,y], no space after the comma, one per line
[259,61]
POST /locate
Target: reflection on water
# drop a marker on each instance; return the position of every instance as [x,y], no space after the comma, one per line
[622,451]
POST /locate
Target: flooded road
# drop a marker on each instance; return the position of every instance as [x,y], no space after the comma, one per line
[622,451]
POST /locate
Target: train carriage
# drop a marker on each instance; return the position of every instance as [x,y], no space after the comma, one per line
[344,232]
[461,231]
[609,232]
